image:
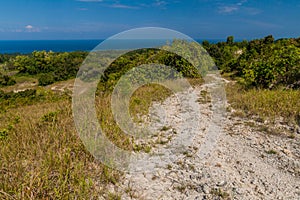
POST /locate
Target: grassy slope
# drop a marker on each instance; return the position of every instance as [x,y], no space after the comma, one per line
[267,104]
[43,157]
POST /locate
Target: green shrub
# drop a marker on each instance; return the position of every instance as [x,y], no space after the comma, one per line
[46,79]
[6,80]
[3,134]
[50,117]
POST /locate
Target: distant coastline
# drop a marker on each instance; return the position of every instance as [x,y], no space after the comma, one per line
[28,46]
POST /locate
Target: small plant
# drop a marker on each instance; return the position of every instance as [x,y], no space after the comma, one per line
[6,80]
[219,193]
[205,98]
[187,154]
[50,117]
[292,136]
[147,149]
[137,101]
[137,147]
[17,120]
[165,128]
[131,192]
[113,196]
[181,188]
[3,134]
[271,152]
[110,175]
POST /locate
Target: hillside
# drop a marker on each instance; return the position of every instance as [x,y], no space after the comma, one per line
[250,152]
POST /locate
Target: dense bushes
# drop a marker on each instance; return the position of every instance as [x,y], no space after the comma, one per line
[6,80]
[28,97]
[30,93]
[147,56]
[50,66]
[262,63]
[46,79]
[6,57]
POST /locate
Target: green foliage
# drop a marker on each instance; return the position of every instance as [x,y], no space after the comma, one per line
[145,56]
[6,80]
[27,97]
[50,66]
[6,57]
[264,63]
[3,134]
[274,65]
[50,117]
[46,79]
[30,93]
[230,40]
[194,53]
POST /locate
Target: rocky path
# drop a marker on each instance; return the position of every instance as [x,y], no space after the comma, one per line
[220,157]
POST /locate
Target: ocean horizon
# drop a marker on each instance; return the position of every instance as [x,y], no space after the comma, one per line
[28,46]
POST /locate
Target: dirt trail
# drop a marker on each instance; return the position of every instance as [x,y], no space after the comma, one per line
[244,162]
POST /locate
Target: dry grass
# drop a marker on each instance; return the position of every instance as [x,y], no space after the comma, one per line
[143,97]
[43,158]
[267,104]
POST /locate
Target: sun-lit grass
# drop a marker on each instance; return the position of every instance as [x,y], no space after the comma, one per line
[42,156]
[139,105]
[270,104]
[143,97]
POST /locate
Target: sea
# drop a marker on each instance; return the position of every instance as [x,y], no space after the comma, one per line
[28,46]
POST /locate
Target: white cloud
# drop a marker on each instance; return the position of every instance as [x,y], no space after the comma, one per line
[228,9]
[237,7]
[242,2]
[159,3]
[29,27]
[123,6]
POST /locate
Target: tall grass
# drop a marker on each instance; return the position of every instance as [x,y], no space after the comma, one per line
[43,158]
[271,104]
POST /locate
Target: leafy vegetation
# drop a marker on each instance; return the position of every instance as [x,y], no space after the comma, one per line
[268,73]
[6,80]
[146,56]
[50,67]
[41,154]
[143,97]
[262,63]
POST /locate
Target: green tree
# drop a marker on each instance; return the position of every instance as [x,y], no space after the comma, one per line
[230,40]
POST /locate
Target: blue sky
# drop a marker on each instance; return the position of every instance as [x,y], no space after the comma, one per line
[99,19]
